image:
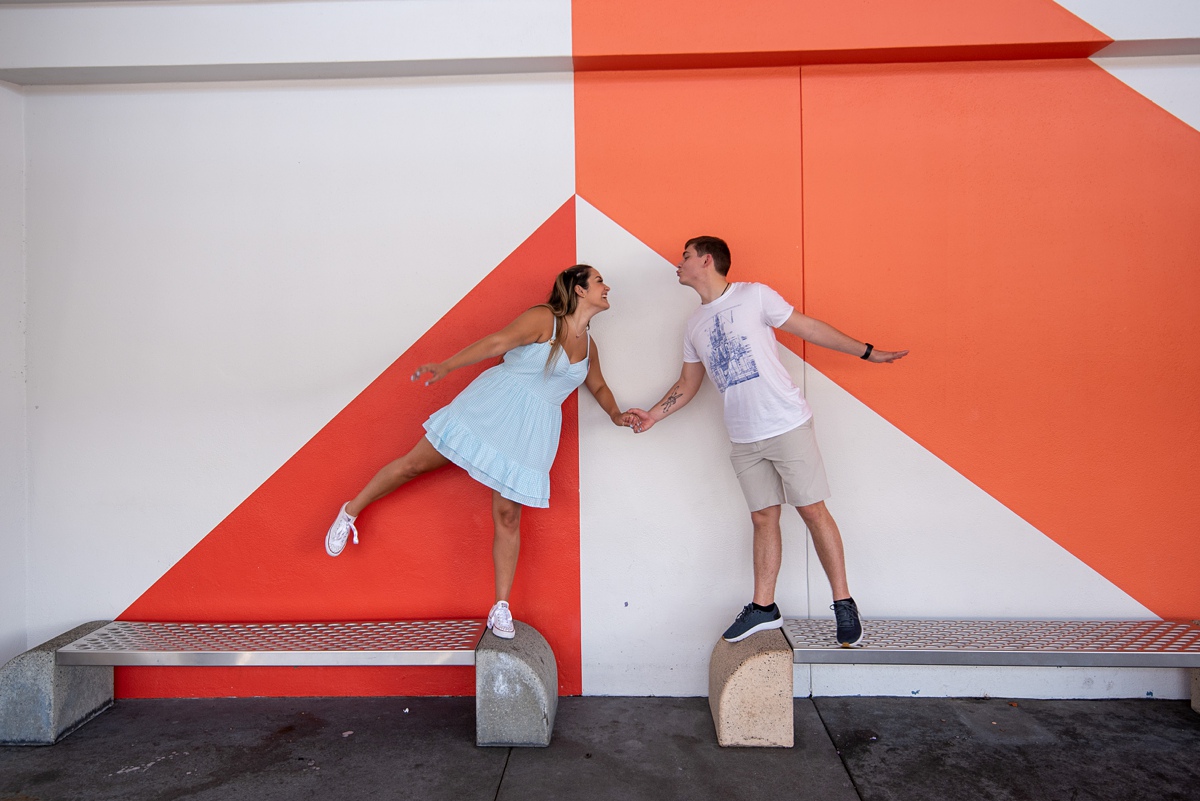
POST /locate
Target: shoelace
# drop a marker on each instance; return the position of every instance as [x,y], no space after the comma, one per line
[499,614]
[844,613]
[348,528]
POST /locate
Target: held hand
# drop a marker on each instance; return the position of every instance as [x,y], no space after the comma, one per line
[436,372]
[881,356]
[642,421]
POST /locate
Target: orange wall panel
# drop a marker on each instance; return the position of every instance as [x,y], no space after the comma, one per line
[1030,231]
[670,155]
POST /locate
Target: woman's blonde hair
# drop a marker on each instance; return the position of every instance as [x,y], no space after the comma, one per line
[563,301]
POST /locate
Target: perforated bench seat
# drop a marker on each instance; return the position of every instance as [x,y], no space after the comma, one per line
[409,642]
[1051,643]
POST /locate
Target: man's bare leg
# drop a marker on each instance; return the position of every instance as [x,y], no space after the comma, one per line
[768,553]
[828,542]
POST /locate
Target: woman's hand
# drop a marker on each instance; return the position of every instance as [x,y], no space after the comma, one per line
[436,372]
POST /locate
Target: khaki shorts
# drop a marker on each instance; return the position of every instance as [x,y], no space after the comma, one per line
[783,469]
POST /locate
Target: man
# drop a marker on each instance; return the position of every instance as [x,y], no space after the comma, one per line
[775,454]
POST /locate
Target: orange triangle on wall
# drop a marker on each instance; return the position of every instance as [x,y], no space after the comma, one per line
[425,550]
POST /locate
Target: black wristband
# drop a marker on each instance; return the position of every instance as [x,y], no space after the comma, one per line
[867,355]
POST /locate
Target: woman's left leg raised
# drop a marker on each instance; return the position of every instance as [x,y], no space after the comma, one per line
[423,458]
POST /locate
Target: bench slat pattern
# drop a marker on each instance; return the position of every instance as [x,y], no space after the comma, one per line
[1083,643]
[410,642]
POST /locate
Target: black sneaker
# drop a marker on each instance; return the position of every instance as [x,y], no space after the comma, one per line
[849,627]
[751,620]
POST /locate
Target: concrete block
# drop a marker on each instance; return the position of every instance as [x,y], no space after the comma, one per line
[1196,689]
[750,691]
[516,689]
[41,702]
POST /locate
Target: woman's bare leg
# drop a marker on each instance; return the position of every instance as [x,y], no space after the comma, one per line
[506,542]
[421,459]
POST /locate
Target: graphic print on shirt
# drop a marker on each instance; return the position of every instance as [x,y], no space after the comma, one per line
[729,358]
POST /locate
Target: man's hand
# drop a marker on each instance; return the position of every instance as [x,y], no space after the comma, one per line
[881,356]
[641,420]
[627,419]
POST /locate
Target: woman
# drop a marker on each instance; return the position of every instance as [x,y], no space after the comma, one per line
[503,428]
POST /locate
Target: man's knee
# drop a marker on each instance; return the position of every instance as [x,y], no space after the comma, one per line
[765,517]
[814,513]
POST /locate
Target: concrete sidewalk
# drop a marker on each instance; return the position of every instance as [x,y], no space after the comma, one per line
[616,748]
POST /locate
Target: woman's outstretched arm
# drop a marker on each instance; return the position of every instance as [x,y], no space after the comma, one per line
[531,326]
[599,388]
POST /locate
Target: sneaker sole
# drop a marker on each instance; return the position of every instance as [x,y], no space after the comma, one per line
[770,624]
[330,552]
[852,643]
[504,635]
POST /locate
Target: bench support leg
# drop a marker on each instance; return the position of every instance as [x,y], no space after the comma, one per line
[42,702]
[516,689]
[750,691]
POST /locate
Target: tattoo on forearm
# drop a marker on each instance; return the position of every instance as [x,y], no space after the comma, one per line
[671,400]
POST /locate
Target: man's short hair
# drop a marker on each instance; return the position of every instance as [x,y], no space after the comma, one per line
[712,246]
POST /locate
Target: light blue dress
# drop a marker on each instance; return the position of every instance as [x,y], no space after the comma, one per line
[503,428]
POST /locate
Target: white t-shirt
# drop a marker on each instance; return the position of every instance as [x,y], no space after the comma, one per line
[734,336]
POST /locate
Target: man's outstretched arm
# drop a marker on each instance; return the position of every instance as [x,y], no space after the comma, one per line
[676,398]
[813,330]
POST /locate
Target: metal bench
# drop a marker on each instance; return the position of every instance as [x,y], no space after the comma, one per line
[516,681]
[409,642]
[750,683]
[1047,643]
[1029,643]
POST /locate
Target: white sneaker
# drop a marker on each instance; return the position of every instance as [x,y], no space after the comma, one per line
[500,621]
[335,539]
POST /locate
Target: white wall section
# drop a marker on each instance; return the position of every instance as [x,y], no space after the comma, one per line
[14,443]
[664,532]
[217,270]
[234,40]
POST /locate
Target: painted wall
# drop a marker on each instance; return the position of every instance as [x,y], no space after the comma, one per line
[13,443]
[14,451]
[228,284]
[993,196]
[216,271]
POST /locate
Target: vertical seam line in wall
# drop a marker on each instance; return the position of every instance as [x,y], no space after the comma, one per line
[26,454]
[804,310]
